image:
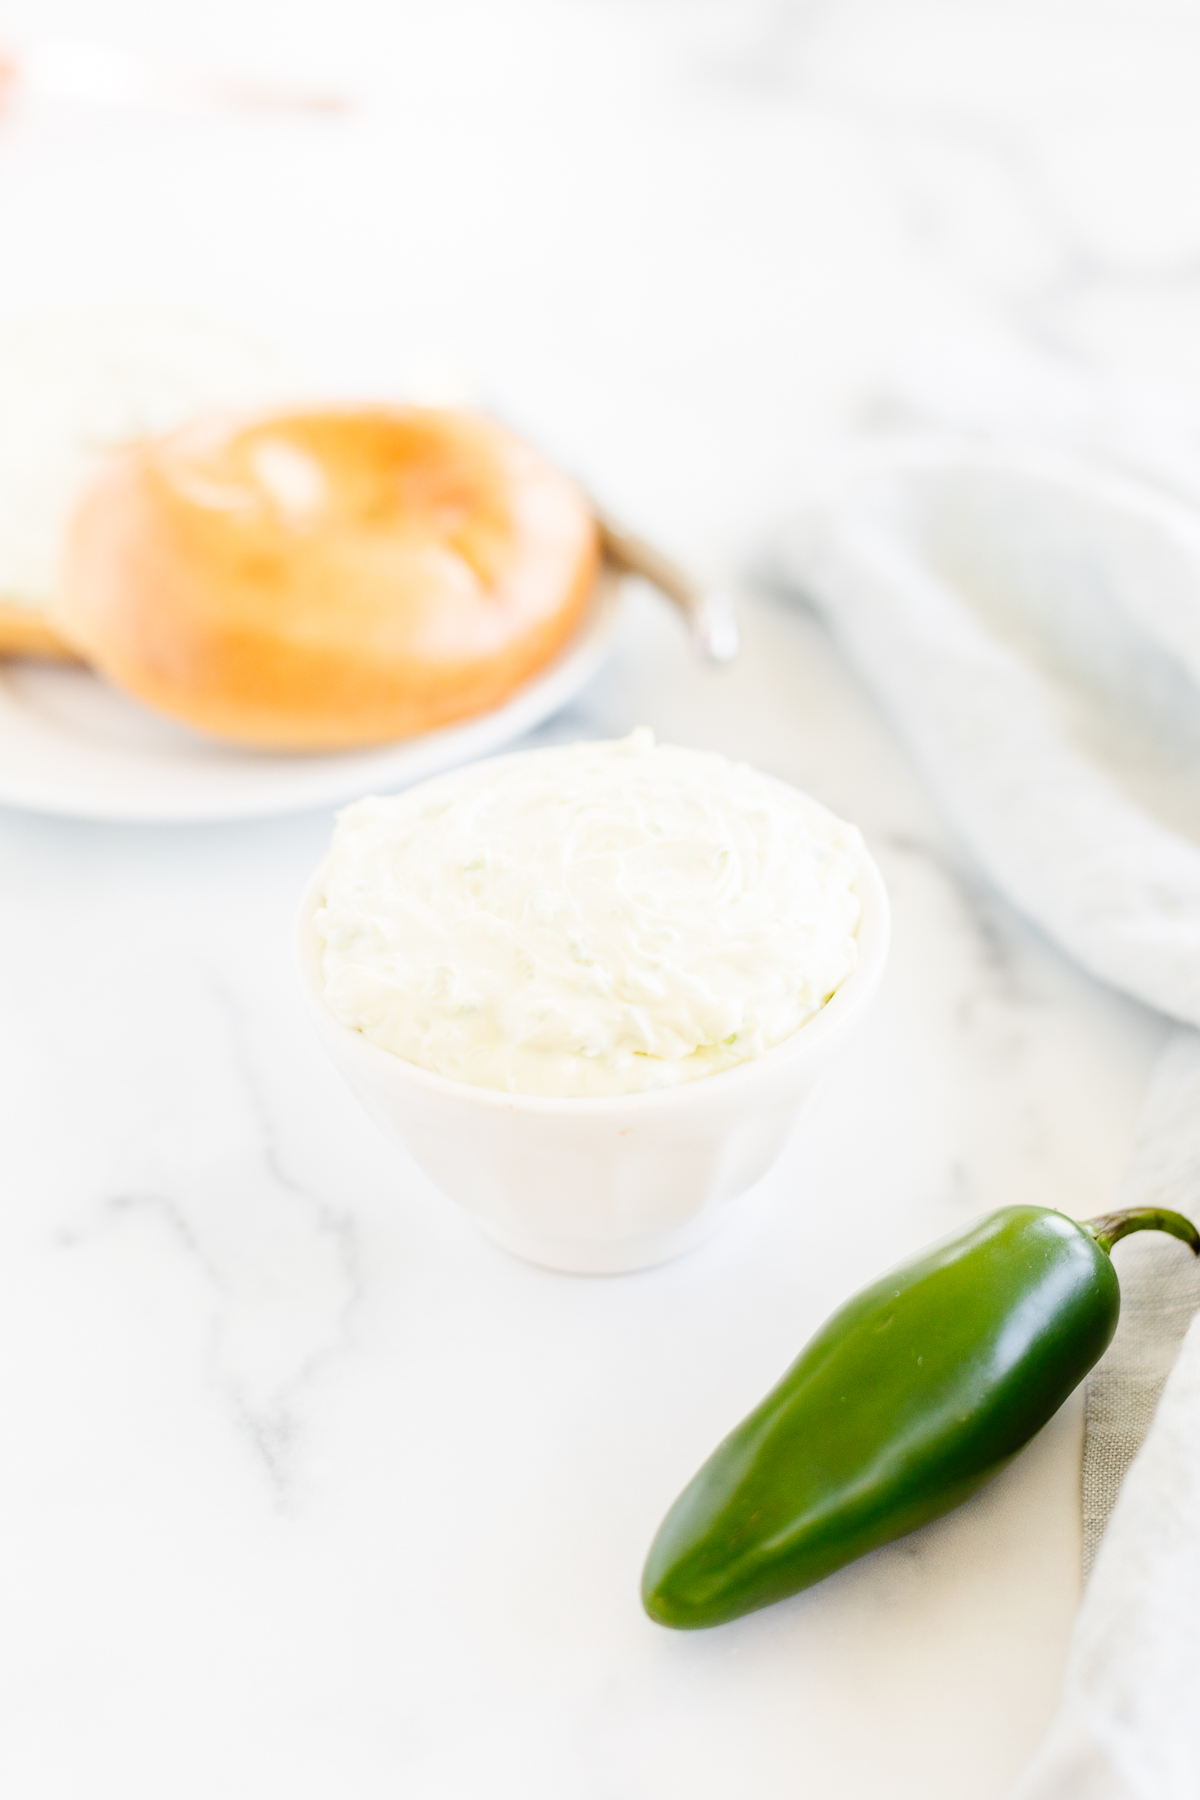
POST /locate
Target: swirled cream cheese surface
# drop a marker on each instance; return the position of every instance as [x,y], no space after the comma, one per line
[596,919]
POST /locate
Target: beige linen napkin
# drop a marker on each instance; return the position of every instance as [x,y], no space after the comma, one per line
[1126,1726]
[1160,1288]
[1128,1718]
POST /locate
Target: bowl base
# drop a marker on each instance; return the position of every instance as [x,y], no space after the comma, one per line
[603,1256]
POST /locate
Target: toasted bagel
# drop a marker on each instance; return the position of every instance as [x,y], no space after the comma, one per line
[25,631]
[327,578]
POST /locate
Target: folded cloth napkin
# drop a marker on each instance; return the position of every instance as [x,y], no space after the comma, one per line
[1034,631]
[1160,1293]
[1126,1724]
[1033,628]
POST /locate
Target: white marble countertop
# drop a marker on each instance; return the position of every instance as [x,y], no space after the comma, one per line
[307,1490]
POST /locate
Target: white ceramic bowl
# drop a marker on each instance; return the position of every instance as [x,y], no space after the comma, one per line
[601,1184]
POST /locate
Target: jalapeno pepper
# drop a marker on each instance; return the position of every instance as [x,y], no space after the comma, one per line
[910,1398]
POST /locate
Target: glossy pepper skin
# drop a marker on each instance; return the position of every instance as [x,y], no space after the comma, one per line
[912,1396]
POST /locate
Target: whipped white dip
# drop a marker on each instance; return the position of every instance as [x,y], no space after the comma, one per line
[596,919]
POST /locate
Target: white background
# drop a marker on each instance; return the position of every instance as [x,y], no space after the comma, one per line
[305,1490]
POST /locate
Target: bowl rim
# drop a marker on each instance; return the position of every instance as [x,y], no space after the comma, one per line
[811,1041]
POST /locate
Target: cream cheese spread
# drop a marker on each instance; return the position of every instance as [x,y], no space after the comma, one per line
[595,919]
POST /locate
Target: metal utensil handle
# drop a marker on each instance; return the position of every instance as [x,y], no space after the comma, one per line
[709,612]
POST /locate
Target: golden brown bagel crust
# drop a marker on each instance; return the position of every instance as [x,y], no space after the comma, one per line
[329,578]
[26,631]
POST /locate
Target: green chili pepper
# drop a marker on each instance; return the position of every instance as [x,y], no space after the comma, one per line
[908,1399]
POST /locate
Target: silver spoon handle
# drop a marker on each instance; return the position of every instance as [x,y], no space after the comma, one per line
[709,612]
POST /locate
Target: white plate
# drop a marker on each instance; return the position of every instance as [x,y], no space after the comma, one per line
[71,744]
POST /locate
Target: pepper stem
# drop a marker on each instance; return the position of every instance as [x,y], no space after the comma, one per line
[1110,1226]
